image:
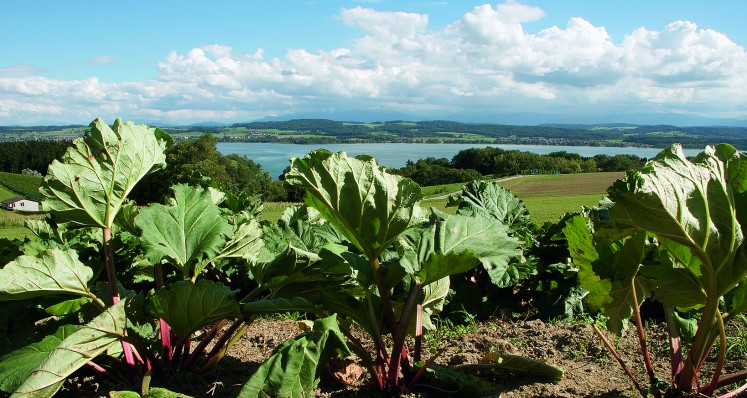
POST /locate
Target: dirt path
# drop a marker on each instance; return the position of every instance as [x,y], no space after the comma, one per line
[454,193]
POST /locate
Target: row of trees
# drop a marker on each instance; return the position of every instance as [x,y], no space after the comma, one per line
[501,162]
[16,156]
[432,171]
[474,163]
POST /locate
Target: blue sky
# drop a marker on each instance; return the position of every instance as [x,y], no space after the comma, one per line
[189,61]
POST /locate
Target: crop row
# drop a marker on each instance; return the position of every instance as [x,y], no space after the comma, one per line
[25,185]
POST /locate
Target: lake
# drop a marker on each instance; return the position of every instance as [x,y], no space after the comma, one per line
[275,157]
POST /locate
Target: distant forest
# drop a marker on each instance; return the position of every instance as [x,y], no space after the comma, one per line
[658,136]
[324,131]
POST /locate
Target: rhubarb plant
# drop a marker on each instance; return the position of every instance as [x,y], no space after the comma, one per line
[157,278]
[86,189]
[540,277]
[675,234]
[391,259]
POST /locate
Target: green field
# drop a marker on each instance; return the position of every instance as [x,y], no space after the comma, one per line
[6,193]
[272,211]
[547,197]
[561,184]
[21,185]
[12,224]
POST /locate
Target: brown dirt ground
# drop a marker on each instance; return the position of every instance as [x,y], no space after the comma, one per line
[590,371]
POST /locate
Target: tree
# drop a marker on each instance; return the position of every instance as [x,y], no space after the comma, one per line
[200,156]
[246,175]
[432,171]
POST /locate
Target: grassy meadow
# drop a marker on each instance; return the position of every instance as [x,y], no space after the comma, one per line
[6,193]
[547,197]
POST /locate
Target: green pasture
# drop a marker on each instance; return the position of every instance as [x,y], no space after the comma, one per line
[272,211]
[550,208]
[14,232]
[547,197]
[6,193]
[12,224]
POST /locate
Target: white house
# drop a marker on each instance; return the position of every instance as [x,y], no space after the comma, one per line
[20,204]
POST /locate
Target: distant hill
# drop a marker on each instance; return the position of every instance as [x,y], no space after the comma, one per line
[394,127]
[208,124]
[346,116]
[519,118]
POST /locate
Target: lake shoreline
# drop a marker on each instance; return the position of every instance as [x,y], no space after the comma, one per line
[275,157]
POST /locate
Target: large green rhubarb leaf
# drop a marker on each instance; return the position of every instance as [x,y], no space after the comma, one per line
[51,273]
[292,266]
[675,286]
[693,208]
[444,247]
[608,270]
[186,307]
[291,371]
[367,205]
[434,298]
[584,254]
[98,172]
[16,366]
[280,305]
[74,352]
[489,199]
[246,242]
[186,230]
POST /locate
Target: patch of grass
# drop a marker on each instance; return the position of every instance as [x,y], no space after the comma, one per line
[286,316]
[546,196]
[15,233]
[272,211]
[597,320]
[23,185]
[550,208]
[439,190]
[12,224]
[6,193]
[12,218]
[447,330]
[736,343]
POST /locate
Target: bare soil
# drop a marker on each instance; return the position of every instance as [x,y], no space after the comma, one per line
[562,184]
[590,371]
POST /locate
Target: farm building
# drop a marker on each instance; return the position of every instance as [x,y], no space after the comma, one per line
[20,204]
